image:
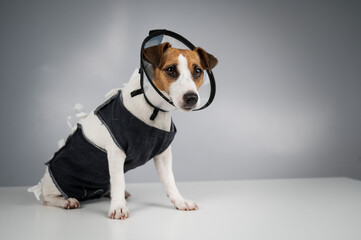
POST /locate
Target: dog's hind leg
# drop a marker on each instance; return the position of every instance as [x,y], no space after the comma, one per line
[127,194]
[59,201]
[52,197]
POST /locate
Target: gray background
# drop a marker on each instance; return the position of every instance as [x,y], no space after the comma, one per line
[288,94]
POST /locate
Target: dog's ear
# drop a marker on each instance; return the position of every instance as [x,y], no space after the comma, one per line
[154,54]
[208,61]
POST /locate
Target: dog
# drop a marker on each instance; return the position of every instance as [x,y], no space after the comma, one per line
[178,73]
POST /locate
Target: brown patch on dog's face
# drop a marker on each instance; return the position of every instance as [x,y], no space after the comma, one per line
[169,71]
[164,60]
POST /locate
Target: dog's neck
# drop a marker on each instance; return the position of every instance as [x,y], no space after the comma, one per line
[139,107]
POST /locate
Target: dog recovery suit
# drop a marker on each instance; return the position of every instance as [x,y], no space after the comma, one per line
[80,168]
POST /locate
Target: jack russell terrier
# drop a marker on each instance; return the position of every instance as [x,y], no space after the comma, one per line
[119,136]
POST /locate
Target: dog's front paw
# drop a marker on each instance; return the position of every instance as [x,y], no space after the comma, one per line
[118,210]
[184,205]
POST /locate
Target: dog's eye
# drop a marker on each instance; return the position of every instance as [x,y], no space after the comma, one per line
[197,72]
[171,71]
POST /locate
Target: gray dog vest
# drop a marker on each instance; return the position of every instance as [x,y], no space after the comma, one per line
[80,168]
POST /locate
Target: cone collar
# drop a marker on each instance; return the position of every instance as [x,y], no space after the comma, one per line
[158,99]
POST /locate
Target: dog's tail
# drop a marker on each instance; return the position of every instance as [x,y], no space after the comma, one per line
[36,190]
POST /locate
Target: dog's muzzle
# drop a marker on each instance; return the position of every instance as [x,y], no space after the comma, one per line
[190,100]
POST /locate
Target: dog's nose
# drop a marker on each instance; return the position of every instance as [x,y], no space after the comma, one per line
[190,99]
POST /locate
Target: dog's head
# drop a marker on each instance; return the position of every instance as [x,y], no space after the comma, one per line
[179,72]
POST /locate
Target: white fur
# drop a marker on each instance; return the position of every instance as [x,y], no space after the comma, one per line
[163,164]
[183,84]
[98,134]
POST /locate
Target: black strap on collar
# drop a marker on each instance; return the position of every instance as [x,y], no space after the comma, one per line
[140,91]
[136,92]
[154,114]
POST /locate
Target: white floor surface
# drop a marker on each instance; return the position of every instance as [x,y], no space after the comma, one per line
[320,208]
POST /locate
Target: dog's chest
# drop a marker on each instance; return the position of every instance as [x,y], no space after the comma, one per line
[137,139]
